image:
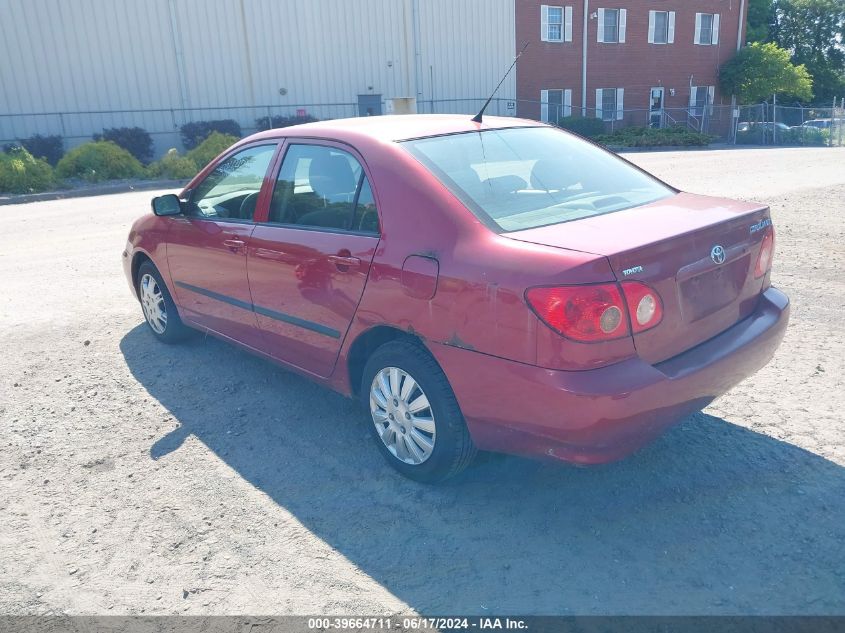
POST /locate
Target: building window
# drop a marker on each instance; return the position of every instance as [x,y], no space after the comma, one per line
[701,100]
[555,104]
[609,105]
[555,23]
[707,29]
[611,25]
[661,27]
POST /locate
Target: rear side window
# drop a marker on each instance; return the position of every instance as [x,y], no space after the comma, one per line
[522,178]
[323,187]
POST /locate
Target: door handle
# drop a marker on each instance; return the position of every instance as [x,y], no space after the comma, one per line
[234,245]
[344,263]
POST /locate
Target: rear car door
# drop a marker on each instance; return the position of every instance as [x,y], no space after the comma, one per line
[308,262]
[207,246]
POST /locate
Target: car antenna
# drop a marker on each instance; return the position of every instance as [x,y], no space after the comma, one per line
[477,117]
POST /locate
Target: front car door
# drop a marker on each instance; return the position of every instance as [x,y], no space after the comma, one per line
[308,262]
[207,246]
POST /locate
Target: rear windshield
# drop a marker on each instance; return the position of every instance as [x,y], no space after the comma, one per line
[522,178]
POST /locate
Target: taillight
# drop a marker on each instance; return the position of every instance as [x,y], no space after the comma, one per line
[767,251]
[644,305]
[583,313]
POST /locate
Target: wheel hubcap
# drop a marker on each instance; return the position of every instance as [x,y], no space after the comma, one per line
[395,395]
[152,303]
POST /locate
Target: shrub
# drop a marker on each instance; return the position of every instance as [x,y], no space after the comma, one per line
[585,126]
[805,136]
[195,133]
[134,140]
[99,160]
[174,166]
[210,148]
[282,121]
[48,148]
[655,137]
[21,173]
[752,136]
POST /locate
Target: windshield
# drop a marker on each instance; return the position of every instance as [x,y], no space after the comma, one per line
[522,178]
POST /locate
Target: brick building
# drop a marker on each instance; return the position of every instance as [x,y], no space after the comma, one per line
[631,62]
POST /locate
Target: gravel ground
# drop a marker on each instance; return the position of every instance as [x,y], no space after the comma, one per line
[141,478]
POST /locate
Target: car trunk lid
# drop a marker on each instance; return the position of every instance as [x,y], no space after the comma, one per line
[697,252]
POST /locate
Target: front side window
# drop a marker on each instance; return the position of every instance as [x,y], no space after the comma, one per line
[230,191]
[323,187]
[611,25]
[522,178]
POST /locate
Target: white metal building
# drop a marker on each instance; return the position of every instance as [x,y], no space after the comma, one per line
[75,67]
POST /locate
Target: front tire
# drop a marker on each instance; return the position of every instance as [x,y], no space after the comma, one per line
[158,307]
[415,418]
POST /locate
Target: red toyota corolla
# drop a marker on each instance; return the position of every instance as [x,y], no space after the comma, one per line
[502,285]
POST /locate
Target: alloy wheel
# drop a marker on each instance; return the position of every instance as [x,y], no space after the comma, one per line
[402,415]
[152,303]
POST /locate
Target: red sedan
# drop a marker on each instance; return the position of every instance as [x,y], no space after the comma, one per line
[504,285]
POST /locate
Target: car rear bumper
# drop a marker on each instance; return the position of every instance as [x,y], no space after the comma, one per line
[600,415]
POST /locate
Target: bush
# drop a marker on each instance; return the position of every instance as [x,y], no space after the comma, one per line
[282,121]
[585,126]
[654,137]
[134,140]
[99,160]
[805,136]
[195,133]
[48,148]
[21,173]
[174,166]
[752,136]
[210,148]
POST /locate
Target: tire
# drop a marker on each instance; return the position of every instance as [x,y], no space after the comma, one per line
[414,426]
[170,329]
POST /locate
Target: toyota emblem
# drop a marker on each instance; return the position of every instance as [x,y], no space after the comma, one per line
[717,254]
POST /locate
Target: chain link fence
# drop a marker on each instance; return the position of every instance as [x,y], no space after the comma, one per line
[763,124]
[768,124]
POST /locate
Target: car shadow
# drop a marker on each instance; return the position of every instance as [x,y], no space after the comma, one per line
[711,518]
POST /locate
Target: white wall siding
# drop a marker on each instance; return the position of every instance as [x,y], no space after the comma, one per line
[84,57]
[465,48]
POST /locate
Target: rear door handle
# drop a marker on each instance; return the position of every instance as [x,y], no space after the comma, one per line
[344,263]
[234,245]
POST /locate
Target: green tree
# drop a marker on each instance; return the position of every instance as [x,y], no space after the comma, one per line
[760,19]
[811,30]
[761,70]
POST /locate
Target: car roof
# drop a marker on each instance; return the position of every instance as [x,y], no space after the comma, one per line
[395,127]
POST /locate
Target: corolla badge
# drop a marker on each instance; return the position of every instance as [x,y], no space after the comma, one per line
[762,224]
[717,254]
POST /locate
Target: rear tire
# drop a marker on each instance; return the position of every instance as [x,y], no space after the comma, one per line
[158,307]
[415,418]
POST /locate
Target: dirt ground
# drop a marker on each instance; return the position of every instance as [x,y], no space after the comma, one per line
[142,478]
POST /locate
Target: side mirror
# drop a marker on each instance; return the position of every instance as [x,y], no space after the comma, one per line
[167,205]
